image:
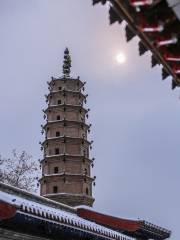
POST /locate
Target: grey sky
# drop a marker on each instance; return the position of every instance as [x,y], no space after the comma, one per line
[135,115]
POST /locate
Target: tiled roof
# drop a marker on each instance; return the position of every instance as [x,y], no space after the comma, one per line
[44,210]
[18,207]
[137,228]
[157,23]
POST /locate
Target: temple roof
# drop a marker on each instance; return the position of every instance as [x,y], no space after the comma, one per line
[28,213]
[136,228]
[157,23]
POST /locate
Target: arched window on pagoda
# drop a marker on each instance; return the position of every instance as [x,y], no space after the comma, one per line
[55,189]
[56,169]
[56,151]
[58,117]
[57,134]
[87,191]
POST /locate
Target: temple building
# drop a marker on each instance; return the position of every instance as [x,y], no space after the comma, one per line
[26,216]
[66,166]
[66,181]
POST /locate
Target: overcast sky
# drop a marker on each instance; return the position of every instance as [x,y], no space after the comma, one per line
[135,116]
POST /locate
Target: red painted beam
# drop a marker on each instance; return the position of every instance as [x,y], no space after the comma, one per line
[137,3]
[109,221]
[6,211]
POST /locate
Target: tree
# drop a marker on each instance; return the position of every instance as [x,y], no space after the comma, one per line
[67,64]
[19,171]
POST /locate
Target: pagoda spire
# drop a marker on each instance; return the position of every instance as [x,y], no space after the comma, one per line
[67,64]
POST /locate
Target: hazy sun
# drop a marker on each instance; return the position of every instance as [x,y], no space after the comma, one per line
[121,58]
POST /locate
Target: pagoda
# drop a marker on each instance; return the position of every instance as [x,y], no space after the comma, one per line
[66,165]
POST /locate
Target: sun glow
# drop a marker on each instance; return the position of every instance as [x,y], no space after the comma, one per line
[120,58]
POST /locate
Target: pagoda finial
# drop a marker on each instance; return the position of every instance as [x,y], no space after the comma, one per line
[67,63]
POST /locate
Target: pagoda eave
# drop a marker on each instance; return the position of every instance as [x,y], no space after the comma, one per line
[66,121]
[66,139]
[68,91]
[66,174]
[53,80]
[66,156]
[64,105]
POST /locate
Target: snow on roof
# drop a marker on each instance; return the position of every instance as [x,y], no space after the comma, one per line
[59,215]
[67,90]
[64,154]
[34,197]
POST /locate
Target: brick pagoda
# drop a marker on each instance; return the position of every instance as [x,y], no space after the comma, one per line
[66,166]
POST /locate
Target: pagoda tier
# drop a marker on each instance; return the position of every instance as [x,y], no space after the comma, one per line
[65,84]
[64,177]
[67,156]
[66,166]
[66,111]
[64,139]
[63,92]
[63,107]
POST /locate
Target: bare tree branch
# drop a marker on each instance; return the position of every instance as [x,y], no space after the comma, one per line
[20,171]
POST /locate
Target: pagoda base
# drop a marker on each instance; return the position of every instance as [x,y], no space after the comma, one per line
[71,199]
